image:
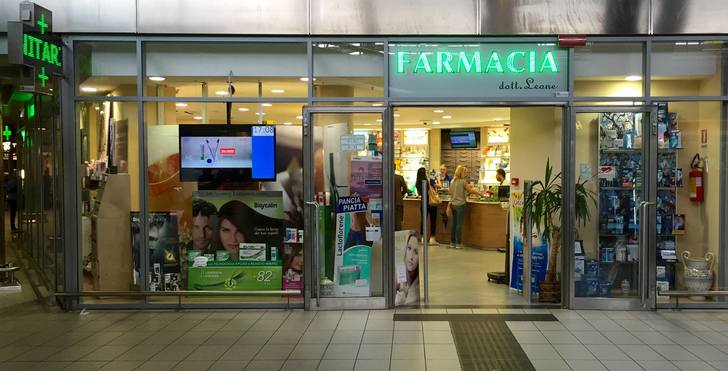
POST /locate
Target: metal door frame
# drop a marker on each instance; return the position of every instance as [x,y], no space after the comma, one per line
[647,299]
[312,300]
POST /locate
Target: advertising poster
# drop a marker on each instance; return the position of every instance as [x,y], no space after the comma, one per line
[292,258]
[353,255]
[539,247]
[406,268]
[164,254]
[241,242]
[366,177]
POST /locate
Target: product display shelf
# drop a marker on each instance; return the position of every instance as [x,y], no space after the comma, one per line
[494,156]
[619,192]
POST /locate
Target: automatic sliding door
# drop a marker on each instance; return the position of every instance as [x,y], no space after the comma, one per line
[345,184]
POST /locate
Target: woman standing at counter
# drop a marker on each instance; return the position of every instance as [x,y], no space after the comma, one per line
[459,189]
[431,210]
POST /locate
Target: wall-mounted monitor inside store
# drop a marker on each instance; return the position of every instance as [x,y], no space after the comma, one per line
[227,152]
[463,139]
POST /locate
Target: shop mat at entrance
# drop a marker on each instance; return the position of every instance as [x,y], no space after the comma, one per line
[483,341]
[488,346]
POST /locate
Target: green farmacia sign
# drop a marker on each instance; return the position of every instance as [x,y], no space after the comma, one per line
[478,70]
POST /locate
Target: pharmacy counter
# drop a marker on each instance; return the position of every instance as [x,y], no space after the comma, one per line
[485,222]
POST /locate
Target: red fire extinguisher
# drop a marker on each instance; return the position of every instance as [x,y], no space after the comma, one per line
[697,189]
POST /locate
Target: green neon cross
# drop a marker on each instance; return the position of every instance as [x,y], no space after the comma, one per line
[7,133]
[43,77]
[42,24]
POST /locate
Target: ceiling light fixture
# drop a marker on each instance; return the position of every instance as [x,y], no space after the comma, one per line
[396,115]
[267,104]
[278,91]
[157,78]
[243,109]
[97,108]
[379,120]
[447,117]
[197,117]
[89,89]
[436,123]
[438,111]
[221,92]
[287,123]
[259,113]
[376,104]
[181,104]
[633,78]
[299,117]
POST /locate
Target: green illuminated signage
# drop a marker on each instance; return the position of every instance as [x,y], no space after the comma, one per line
[32,43]
[478,70]
[449,62]
[7,133]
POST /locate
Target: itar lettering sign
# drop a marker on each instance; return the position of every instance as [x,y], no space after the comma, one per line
[478,70]
[31,43]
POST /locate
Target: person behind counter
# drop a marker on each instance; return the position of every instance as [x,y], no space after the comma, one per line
[459,189]
[431,210]
[500,176]
[442,180]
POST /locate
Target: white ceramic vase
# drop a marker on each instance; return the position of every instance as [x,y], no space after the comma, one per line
[698,274]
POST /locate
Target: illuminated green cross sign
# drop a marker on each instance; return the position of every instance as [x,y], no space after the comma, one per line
[42,77]
[42,24]
[7,133]
[41,50]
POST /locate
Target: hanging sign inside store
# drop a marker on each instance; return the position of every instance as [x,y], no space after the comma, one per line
[478,70]
[32,43]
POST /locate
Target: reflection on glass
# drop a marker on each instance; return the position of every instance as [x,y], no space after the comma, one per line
[687,68]
[222,70]
[106,68]
[608,70]
[348,69]
[110,194]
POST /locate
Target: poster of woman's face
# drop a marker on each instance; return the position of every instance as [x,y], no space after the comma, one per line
[407,268]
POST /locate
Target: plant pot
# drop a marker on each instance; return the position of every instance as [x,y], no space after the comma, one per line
[698,274]
[549,292]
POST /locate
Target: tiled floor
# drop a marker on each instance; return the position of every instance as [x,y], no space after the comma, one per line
[31,339]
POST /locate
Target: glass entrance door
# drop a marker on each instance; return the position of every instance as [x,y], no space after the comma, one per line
[613,202]
[347,191]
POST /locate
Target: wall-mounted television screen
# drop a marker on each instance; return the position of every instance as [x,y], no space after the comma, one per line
[227,152]
[463,139]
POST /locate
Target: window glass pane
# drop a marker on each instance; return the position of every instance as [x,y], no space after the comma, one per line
[348,69]
[203,70]
[193,216]
[687,68]
[685,224]
[110,195]
[608,70]
[106,68]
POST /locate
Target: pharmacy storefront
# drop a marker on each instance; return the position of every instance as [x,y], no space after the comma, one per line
[223,171]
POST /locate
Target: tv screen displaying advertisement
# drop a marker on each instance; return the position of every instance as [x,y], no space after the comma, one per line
[227,152]
[463,139]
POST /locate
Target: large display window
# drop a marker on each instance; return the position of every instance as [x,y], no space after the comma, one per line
[106,68]
[216,230]
[609,70]
[348,70]
[687,68]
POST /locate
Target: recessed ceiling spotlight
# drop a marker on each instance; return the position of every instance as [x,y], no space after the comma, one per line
[180,104]
[197,117]
[376,104]
[367,124]
[157,78]
[438,111]
[259,113]
[89,89]
[497,119]
[287,123]
[379,120]
[278,91]
[243,109]
[396,115]
[633,78]
[299,117]
[221,92]
[436,123]
[447,117]
[267,104]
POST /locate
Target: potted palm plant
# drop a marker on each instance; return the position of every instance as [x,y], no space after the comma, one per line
[544,205]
